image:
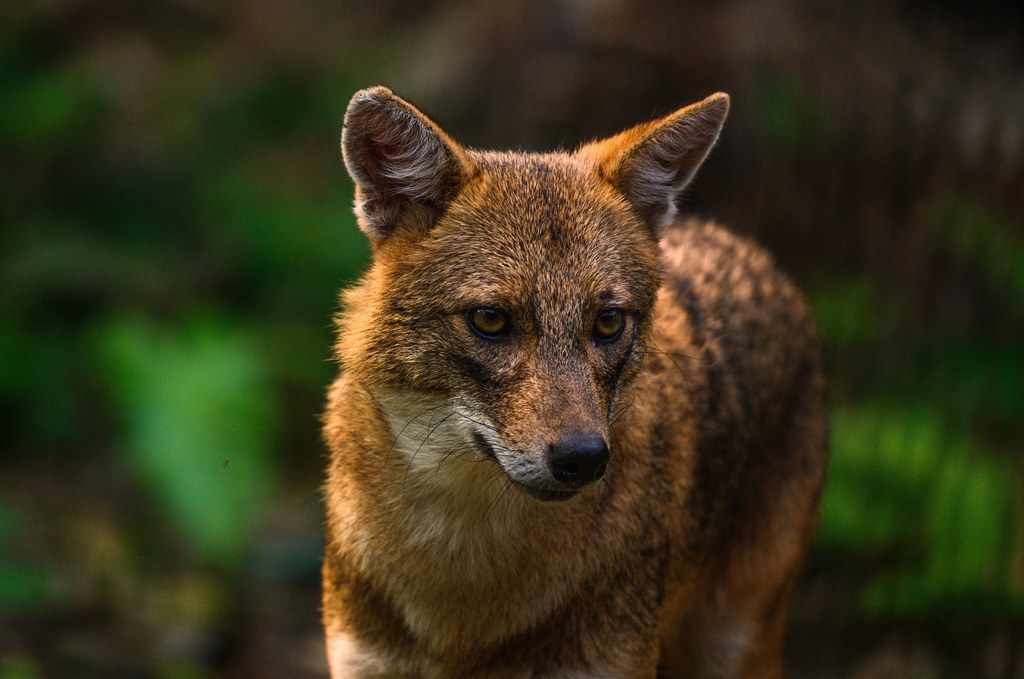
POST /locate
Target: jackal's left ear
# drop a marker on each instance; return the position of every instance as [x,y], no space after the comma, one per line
[653,162]
[405,167]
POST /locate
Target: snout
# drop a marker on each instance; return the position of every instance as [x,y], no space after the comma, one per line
[578,459]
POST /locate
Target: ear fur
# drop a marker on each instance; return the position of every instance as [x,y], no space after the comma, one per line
[405,167]
[650,164]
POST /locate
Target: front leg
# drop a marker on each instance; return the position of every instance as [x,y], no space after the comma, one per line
[350,659]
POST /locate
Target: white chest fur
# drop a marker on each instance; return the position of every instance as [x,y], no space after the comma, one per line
[458,566]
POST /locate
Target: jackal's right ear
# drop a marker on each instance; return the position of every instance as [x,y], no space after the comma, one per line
[405,167]
[650,164]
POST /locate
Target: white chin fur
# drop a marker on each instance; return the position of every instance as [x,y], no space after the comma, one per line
[434,438]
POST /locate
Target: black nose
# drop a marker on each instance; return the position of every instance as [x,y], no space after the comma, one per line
[578,459]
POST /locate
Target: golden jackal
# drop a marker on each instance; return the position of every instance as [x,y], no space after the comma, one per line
[573,435]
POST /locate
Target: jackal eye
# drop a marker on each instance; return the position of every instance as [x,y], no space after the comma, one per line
[609,324]
[488,322]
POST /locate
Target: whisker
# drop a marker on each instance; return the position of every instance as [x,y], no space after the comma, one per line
[420,446]
[500,500]
[617,415]
[460,454]
[476,422]
[401,431]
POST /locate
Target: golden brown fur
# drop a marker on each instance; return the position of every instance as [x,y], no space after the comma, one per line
[439,560]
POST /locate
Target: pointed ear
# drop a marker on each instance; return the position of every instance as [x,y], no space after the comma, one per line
[406,169]
[651,163]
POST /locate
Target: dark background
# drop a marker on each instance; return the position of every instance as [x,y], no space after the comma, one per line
[176,222]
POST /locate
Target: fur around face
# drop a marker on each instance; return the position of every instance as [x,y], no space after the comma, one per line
[452,549]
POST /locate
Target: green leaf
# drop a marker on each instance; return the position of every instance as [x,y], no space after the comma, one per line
[24,586]
[200,424]
[848,312]
[17,667]
[937,510]
[42,110]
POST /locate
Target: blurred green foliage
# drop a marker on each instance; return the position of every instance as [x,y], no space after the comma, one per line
[18,668]
[923,501]
[939,514]
[200,425]
[44,107]
[791,118]
[175,231]
[847,313]
[23,585]
[981,237]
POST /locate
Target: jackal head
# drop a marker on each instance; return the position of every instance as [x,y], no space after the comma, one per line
[510,294]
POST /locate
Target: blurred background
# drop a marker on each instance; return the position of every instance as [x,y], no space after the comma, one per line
[176,222]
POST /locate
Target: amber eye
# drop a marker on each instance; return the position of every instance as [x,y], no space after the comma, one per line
[609,325]
[488,322]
